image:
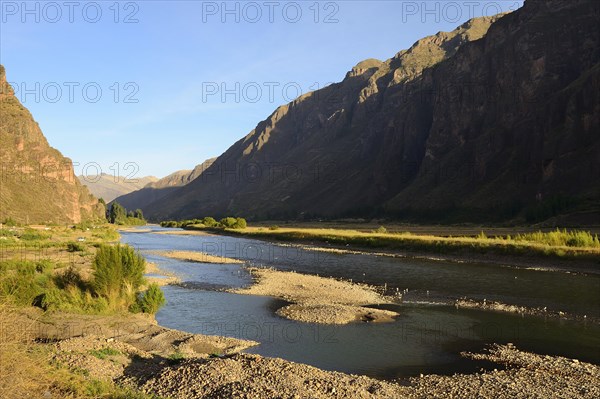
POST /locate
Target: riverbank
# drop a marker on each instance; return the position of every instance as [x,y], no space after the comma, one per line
[197,256]
[317,299]
[136,354]
[481,249]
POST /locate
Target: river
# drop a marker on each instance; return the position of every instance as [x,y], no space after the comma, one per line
[427,337]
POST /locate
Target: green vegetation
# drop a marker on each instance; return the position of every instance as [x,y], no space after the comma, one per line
[151,300]
[105,352]
[176,357]
[118,275]
[115,286]
[561,238]
[380,230]
[75,247]
[560,243]
[209,222]
[28,371]
[118,214]
[10,222]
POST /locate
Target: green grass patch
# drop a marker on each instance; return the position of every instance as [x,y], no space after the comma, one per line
[105,352]
[560,243]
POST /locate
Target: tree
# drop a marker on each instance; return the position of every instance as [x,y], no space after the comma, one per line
[240,223]
[138,214]
[228,222]
[117,213]
[209,222]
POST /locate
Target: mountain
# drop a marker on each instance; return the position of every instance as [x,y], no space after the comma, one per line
[495,120]
[109,187]
[140,199]
[37,183]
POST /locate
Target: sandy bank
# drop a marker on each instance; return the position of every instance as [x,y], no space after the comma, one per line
[167,278]
[183,233]
[200,257]
[317,299]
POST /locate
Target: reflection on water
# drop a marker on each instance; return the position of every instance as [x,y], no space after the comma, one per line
[425,338]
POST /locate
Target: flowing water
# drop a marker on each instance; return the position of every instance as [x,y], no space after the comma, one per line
[427,337]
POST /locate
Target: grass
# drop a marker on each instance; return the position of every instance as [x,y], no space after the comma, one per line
[27,370]
[37,268]
[52,271]
[176,357]
[560,243]
[104,353]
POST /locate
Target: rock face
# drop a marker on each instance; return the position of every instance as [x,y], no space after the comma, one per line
[153,191]
[37,184]
[497,116]
[108,187]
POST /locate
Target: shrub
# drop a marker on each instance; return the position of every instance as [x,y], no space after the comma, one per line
[228,222]
[69,277]
[380,230]
[151,300]
[33,235]
[209,222]
[240,223]
[274,227]
[10,222]
[118,274]
[44,266]
[75,247]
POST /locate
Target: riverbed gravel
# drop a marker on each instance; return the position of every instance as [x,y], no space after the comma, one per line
[317,299]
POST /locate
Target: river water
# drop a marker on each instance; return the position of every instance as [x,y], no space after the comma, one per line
[427,337]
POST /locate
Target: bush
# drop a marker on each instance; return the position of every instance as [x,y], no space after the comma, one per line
[44,266]
[118,274]
[233,223]
[75,247]
[209,222]
[10,222]
[69,277]
[380,230]
[151,300]
[33,235]
[240,223]
[274,227]
[228,222]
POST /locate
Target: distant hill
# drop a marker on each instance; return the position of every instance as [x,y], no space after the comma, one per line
[496,120]
[109,187]
[154,191]
[37,183]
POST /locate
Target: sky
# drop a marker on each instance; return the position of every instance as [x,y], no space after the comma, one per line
[139,88]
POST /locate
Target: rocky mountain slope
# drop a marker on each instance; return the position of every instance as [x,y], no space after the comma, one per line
[482,123]
[154,191]
[37,183]
[109,187]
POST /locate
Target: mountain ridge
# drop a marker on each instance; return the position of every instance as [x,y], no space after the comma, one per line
[37,183]
[153,191]
[104,185]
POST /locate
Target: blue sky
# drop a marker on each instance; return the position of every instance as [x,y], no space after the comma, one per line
[158,86]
